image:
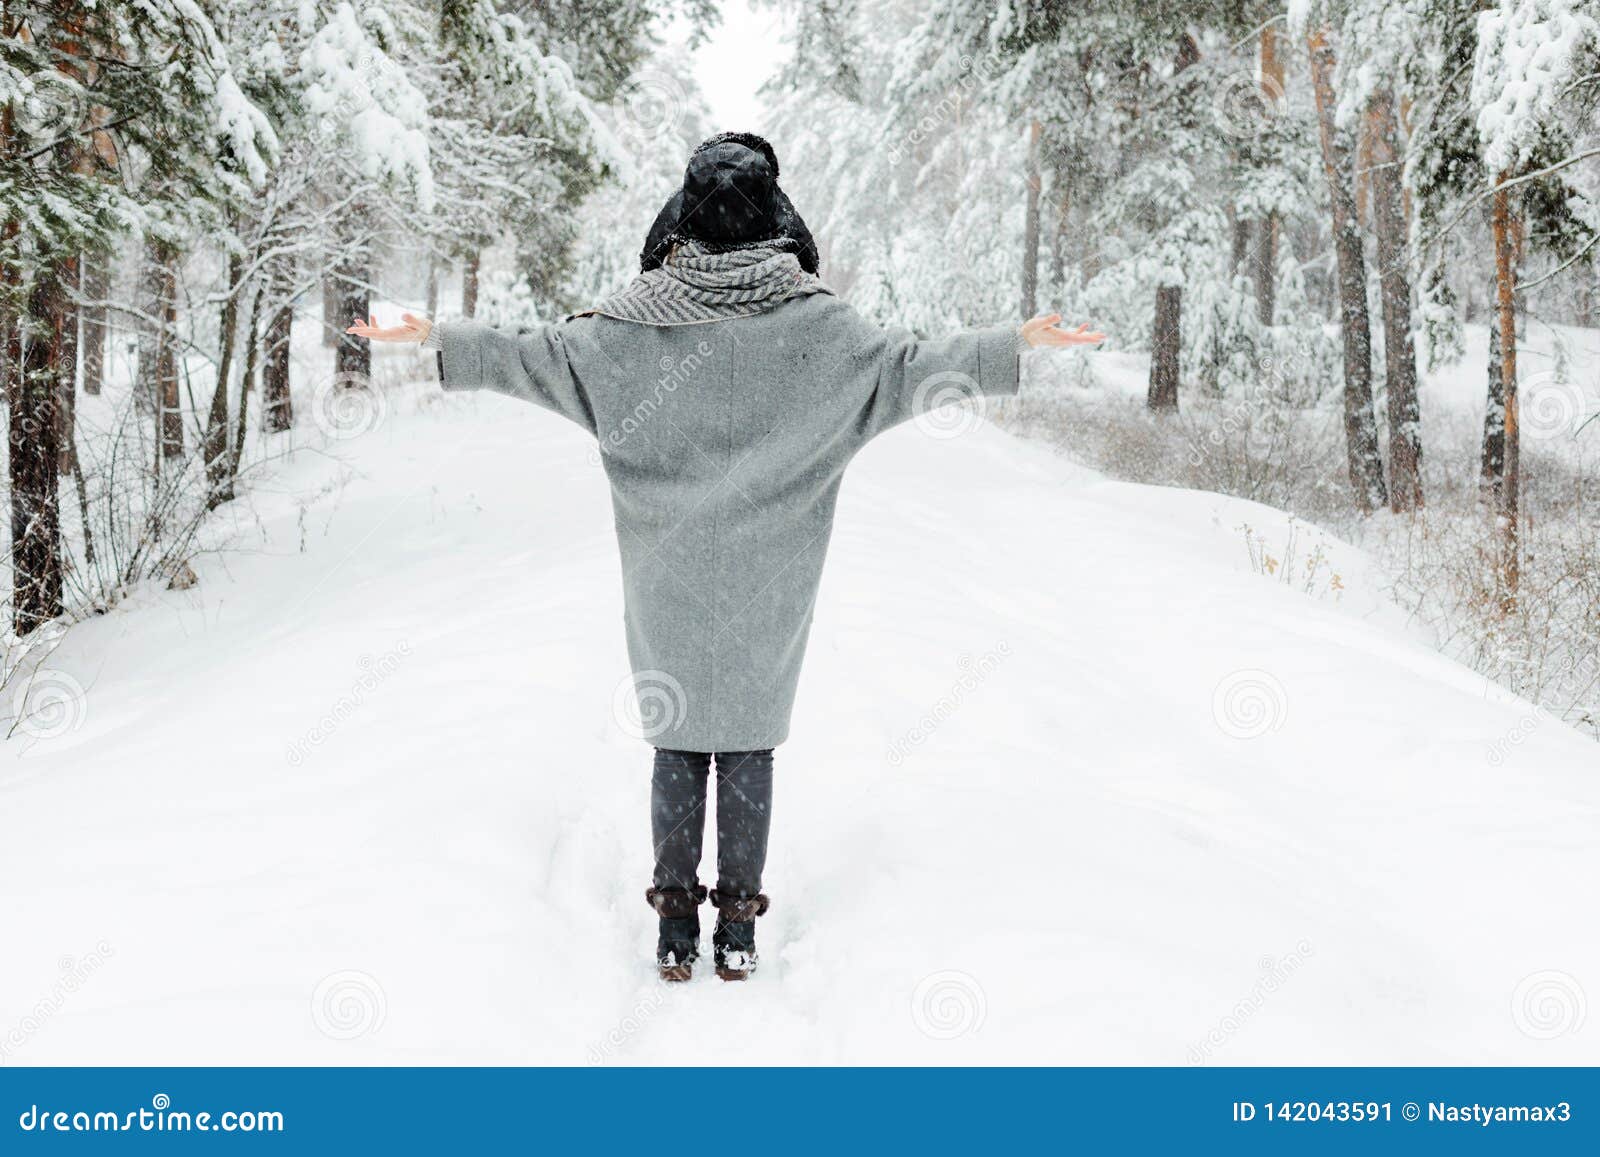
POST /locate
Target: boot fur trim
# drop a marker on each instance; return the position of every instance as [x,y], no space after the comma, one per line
[740,909]
[675,903]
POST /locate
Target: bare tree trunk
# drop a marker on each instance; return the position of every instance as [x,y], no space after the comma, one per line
[96,290]
[1360,422]
[1030,228]
[1505,227]
[433,288]
[1492,470]
[158,358]
[1241,240]
[252,353]
[65,325]
[167,365]
[1062,196]
[1166,340]
[277,408]
[1400,360]
[353,360]
[469,286]
[1164,346]
[333,318]
[219,475]
[35,457]
[1266,250]
[152,281]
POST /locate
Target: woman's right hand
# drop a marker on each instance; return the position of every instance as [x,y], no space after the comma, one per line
[1045,331]
[410,329]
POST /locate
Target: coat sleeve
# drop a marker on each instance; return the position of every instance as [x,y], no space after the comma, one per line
[912,376]
[539,364]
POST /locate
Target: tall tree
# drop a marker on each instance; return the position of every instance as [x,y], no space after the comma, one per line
[1534,58]
[1394,256]
[1360,422]
[1266,248]
[1030,225]
[35,455]
[1505,228]
[277,405]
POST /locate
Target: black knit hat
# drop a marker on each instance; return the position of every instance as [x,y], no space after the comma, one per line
[730,198]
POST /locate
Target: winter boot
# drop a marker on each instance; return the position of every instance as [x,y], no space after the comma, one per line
[733,942]
[678,945]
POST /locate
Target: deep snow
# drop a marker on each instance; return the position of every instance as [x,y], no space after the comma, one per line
[1069,783]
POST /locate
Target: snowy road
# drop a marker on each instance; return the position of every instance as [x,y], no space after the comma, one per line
[1069,783]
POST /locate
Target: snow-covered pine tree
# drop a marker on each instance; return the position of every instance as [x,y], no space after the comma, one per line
[1360,423]
[1533,83]
[114,117]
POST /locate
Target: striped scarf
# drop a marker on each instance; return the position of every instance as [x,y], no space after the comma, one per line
[696,285]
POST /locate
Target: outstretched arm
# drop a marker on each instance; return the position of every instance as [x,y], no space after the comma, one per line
[915,376]
[532,363]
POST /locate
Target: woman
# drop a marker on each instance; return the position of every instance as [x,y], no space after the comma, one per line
[729,389]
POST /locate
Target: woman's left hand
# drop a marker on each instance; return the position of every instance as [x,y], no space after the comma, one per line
[1043,331]
[410,329]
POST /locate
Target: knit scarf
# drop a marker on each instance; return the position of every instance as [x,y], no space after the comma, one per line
[697,284]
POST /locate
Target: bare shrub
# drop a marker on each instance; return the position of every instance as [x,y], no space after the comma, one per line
[1275,443]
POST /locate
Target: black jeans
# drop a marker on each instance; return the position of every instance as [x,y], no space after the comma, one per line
[744,814]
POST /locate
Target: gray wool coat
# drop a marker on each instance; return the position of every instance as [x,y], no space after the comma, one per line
[725,443]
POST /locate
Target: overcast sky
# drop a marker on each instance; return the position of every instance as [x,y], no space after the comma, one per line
[742,53]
